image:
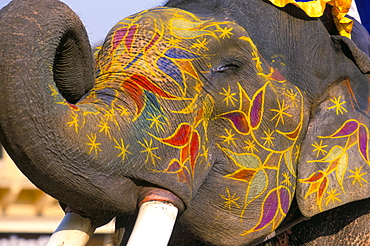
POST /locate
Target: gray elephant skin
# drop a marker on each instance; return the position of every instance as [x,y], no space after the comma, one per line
[254,118]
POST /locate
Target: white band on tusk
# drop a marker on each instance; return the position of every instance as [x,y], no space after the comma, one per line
[154,224]
[74,230]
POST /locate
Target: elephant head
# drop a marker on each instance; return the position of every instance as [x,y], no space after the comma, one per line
[177,101]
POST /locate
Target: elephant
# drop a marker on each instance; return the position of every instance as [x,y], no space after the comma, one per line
[248,118]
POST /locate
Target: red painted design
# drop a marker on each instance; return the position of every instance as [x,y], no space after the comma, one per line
[315,177]
[188,141]
[136,94]
[152,42]
[184,176]
[117,38]
[180,137]
[243,175]
[276,75]
[294,134]
[239,121]
[333,165]
[174,167]
[130,37]
[73,106]
[322,188]
[134,87]
[150,86]
[194,150]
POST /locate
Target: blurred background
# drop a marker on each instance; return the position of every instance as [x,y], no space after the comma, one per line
[27,215]
[99,16]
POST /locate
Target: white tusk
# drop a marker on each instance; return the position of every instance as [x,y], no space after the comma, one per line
[154,224]
[74,230]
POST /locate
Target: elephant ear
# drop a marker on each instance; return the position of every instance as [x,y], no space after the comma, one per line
[351,50]
[334,166]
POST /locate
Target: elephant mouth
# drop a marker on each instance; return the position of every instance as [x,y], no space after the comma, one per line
[158,211]
[151,193]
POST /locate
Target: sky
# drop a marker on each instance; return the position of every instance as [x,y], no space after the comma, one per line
[99,16]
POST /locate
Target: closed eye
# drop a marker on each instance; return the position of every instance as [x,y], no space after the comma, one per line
[225,68]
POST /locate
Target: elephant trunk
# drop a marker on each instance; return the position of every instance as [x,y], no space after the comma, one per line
[46,63]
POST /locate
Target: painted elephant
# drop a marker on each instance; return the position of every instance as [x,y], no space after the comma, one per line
[240,112]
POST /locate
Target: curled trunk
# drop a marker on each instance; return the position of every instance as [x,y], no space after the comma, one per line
[46,64]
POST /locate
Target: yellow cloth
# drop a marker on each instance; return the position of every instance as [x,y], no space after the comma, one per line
[316,8]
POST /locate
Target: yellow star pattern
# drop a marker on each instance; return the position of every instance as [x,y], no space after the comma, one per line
[338,105]
[200,45]
[292,97]
[229,97]
[123,148]
[280,113]
[104,128]
[94,146]
[156,121]
[229,138]
[319,148]
[110,116]
[225,32]
[269,138]
[358,176]
[74,121]
[332,196]
[230,200]
[251,146]
[148,149]
[124,111]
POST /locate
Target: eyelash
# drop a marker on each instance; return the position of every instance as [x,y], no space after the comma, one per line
[224,68]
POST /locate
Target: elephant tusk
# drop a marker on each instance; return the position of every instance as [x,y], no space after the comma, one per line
[74,230]
[154,224]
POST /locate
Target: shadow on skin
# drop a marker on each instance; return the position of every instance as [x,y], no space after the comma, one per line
[342,223]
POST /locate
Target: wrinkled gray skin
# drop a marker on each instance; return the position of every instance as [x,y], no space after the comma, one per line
[28,122]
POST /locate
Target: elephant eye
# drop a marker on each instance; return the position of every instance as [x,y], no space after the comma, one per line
[226,67]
